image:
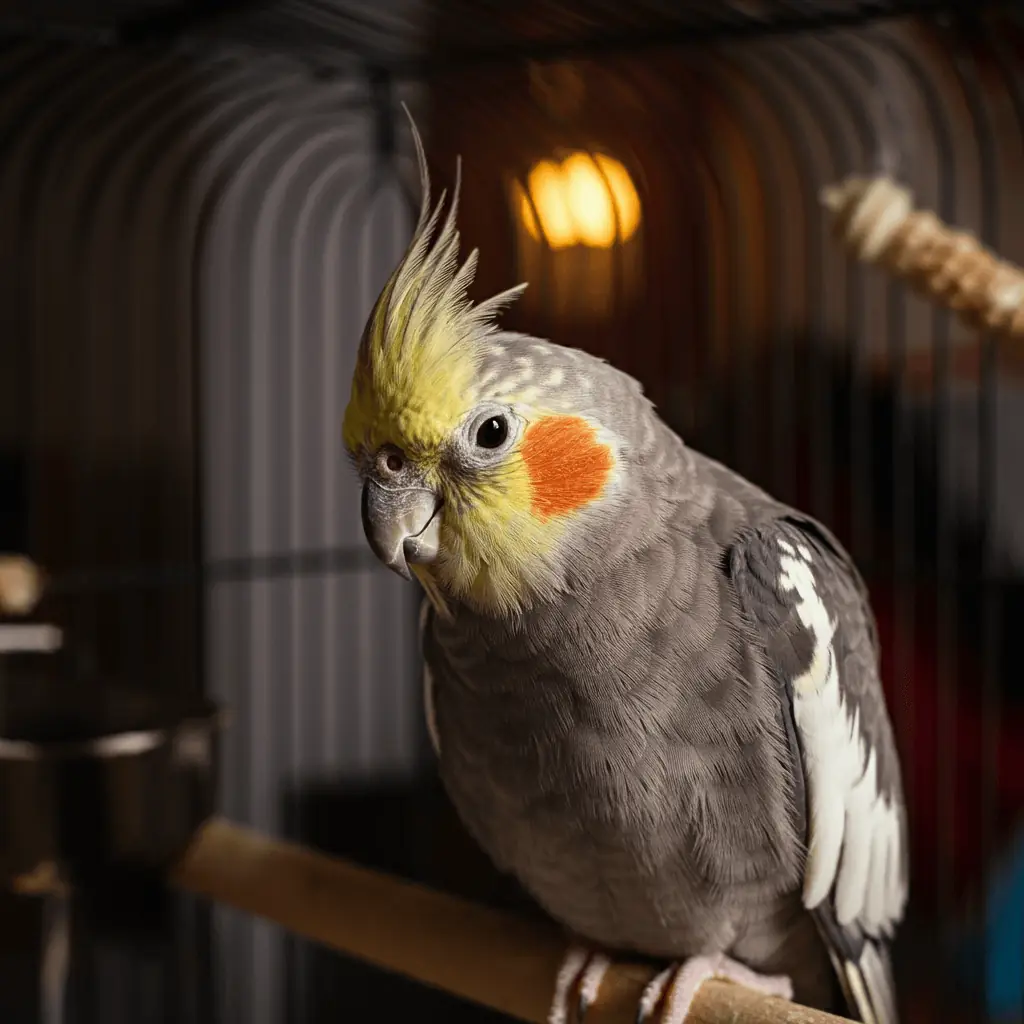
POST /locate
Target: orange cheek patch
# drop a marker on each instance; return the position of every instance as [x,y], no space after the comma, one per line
[568,467]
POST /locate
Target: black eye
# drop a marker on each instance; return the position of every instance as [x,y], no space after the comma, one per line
[492,433]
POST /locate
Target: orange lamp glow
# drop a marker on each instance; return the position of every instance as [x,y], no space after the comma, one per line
[585,200]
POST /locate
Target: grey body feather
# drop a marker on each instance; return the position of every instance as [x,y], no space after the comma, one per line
[629,751]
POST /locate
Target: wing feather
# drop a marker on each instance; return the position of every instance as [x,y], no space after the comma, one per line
[809,606]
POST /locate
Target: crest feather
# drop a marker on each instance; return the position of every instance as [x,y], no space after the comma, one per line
[427,292]
[419,353]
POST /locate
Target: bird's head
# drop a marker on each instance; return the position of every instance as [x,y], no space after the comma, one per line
[490,461]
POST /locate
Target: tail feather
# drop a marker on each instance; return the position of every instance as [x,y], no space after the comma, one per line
[868,985]
[863,969]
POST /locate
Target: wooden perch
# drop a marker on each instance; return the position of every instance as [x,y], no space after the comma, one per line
[876,220]
[473,952]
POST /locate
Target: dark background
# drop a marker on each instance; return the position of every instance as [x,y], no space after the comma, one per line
[168,318]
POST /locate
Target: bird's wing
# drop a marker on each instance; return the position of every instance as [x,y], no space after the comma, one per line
[808,607]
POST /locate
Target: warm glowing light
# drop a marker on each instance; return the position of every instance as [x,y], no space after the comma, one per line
[584,200]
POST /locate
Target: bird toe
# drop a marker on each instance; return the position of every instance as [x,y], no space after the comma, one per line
[653,995]
[577,985]
[681,983]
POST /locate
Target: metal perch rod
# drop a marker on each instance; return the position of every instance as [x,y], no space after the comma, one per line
[473,952]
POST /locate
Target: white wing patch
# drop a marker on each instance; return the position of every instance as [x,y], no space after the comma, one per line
[854,829]
[428,686]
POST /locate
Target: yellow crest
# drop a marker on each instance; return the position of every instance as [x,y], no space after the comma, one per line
[417,365]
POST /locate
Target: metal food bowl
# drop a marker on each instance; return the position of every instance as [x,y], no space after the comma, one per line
[95,777]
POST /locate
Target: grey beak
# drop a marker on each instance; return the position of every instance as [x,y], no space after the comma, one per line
[402,525]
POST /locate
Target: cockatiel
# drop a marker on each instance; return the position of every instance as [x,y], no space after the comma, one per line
[652,689]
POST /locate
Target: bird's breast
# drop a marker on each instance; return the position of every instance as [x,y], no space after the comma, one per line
[578,808]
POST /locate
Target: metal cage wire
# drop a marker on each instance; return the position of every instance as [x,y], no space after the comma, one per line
[198,222]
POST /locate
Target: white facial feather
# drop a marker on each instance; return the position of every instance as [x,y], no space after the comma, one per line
[854,829]
[529,395]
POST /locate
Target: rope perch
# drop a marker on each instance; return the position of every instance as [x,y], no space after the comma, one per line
[876,219]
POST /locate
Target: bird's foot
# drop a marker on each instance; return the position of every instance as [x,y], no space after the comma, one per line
[579,978]
[675,988]
[672,991]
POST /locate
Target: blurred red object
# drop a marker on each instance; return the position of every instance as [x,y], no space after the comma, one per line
[942,744]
